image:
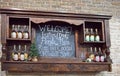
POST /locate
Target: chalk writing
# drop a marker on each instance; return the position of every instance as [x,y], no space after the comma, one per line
[55,41]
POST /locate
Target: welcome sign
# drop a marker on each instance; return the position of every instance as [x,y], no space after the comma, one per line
[55,40]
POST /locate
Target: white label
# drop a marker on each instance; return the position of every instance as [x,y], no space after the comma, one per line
[25,35]
[102,58]
[15,57]
[13,35]
[19,35]
[97,58]
[97,38]
[87,38]
[22,57]
[92,38]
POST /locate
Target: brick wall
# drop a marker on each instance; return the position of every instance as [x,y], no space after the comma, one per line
[109,7]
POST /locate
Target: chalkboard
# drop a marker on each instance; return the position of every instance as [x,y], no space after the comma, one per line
[55,39]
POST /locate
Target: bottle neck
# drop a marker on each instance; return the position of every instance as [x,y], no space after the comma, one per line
[95,51]
[86,31]
[19,47]
[91,50]
[96,31]
[19,28]
[14,48]
[91,31]
[25,48]
[100,52]
[25,28]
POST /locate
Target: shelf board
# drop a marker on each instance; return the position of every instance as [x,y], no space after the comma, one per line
[29,66]
[56,60]
[17,39]
[42,62]
[94,42]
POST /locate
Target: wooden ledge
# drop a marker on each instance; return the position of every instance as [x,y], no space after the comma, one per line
[56,67]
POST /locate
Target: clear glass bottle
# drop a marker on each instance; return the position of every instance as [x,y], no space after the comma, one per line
[26,33]
[97,37]
[19,52]
[92,36]
[25,53]
[87,53]
[92,56]
[87,35]
[13,32]
[105,56]
[14,53]
[83,54]
[22,58]
[100,55]
[19,32]
[97,58]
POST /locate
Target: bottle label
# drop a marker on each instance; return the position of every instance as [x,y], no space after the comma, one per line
[19,56]
[19,35]
[102,58]
[22,57]
[12,55]
[97,58]
[92,38]
[25,35]
[15,57]
[87,38]
[26,56]
[92,56]
[13,35]
[97,38]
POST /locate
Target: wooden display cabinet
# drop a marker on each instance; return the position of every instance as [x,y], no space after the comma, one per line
[67,58]
[18,21]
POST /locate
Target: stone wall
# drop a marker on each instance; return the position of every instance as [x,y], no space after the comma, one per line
[105,7]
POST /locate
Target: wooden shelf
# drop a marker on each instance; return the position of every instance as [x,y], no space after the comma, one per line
[17,66]
[42,62]
[55,65]
[70,34]
[17,39]
[97,42]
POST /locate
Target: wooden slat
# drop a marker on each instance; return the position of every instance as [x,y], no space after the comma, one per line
[107,33]
[54,67]
[3,26]
[55,14]
[76,44]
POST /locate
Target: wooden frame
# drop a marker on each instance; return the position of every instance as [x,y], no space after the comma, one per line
[54,64]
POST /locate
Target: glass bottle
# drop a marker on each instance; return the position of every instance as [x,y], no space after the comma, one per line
[97,37]
[97,58]
[87,35]
[100,54]
[26,33]
[92,37]
[19,32]
[19,52]
[15,53]
[25,53]
[13,33]
[83,54]
[102,58]
[22,55]
[87,53]
[92,56]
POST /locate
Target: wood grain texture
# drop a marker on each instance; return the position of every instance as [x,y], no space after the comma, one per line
[54,64]
[54,67]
